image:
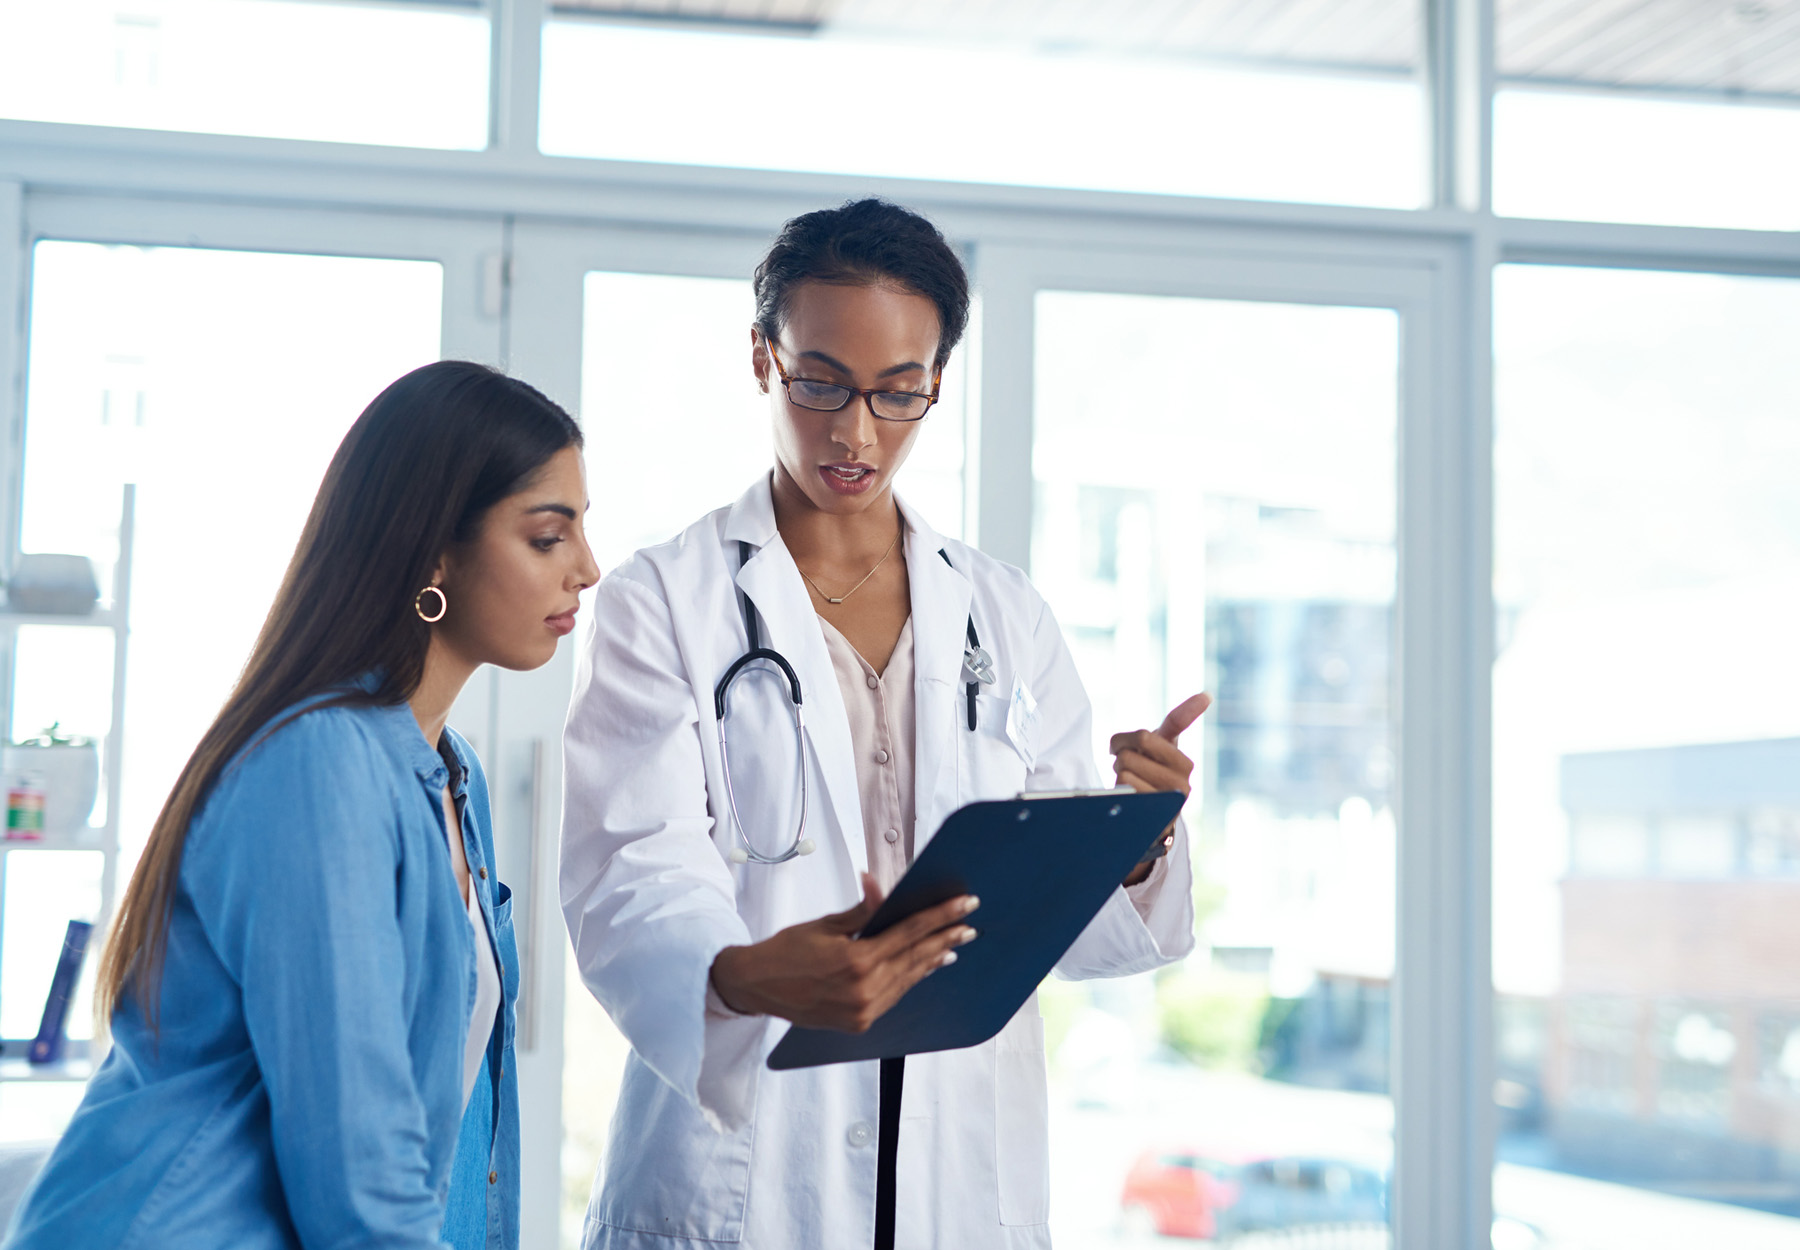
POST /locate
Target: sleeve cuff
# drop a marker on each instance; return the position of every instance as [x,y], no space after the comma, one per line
[717,1008]
[1145,893]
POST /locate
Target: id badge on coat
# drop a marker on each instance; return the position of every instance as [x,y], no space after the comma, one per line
[1022,722]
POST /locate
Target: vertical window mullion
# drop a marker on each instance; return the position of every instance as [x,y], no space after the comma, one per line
[1459,69]
[518,45]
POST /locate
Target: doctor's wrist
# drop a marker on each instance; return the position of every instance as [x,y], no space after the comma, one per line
[719,999]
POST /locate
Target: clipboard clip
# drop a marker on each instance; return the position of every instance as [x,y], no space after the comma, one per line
[1159,848]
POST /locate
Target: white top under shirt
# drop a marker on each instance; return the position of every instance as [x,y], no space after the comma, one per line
[487,997]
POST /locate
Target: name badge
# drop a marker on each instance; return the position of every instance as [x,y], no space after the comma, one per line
[1022,722]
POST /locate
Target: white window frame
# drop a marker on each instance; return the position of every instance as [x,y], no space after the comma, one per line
[514,230]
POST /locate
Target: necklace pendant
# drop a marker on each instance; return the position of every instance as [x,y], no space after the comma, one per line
[829,599]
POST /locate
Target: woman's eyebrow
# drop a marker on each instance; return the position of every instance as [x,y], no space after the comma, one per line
[841,367]
[561,509]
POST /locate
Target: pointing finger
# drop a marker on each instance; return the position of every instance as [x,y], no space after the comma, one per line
[1182,715]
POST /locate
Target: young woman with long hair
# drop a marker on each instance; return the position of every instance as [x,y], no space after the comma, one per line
[311,977]
[696,873]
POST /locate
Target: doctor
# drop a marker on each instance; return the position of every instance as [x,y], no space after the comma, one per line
[909,675]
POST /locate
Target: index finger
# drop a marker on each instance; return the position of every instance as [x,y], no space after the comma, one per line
[1182,715]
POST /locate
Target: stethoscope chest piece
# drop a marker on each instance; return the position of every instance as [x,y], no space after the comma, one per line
[978,666]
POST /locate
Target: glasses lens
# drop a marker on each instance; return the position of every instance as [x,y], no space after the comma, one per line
[900,405]
[821,396]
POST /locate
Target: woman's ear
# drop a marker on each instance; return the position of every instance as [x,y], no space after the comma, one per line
[759,360]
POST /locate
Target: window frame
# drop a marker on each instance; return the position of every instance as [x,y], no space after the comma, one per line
[516,229]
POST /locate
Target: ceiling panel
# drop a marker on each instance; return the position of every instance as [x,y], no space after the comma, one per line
[1738,47]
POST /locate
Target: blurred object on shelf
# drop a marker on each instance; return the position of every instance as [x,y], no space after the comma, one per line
[25,809]
[53,585]
[61,773]
[53,1031]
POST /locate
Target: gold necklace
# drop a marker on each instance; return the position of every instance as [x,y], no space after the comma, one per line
[866,576]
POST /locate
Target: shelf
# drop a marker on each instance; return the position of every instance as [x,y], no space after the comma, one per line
[66,1070]
[93,838]
[99,618]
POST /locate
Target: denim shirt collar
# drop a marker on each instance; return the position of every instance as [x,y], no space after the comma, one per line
[437,766]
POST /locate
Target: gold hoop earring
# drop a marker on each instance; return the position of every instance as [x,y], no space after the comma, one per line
[443,605]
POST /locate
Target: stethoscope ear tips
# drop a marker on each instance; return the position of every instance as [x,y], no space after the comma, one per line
[739,855]
[805,847]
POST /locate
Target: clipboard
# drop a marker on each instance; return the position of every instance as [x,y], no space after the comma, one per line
[1043,867]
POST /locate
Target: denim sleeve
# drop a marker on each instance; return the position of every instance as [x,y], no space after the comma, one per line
[294,876]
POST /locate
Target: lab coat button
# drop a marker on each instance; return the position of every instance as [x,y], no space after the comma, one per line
[860,1133]
[881,757]
[892,835]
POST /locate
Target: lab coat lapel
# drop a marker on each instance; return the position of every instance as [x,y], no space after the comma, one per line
[790,626]
[940,609]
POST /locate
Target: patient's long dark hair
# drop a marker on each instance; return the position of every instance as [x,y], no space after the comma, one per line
[416,473]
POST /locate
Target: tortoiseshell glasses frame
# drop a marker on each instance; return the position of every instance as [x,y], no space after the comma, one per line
[816,396]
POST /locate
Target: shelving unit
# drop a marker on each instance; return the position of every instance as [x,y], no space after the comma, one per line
[78,1063]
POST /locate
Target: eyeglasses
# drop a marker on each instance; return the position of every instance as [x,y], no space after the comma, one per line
[830,397]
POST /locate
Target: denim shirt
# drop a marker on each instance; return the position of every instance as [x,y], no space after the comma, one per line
[306,1086]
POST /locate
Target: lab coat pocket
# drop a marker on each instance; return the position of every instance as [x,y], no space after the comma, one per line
[659,1149]
[1022,1120]
[996,768]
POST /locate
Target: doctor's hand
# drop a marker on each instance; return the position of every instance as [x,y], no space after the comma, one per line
[819,975]
[1148,760]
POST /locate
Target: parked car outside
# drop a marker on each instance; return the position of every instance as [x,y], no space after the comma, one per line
[1211,1194]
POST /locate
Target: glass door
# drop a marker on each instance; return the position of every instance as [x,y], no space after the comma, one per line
[198,366]
[1215,508]
[1201,465]
[659,323]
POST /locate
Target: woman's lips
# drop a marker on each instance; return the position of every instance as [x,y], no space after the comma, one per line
[562,623]
[848,478]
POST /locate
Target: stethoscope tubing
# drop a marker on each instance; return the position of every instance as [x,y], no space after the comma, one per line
[976,660]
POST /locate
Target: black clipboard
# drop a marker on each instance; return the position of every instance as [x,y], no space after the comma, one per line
[1042,867]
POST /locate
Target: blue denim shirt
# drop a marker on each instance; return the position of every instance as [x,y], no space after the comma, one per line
[306,1086]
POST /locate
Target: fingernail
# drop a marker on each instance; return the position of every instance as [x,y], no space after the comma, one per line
[966,936]
[970,904]
[946,959]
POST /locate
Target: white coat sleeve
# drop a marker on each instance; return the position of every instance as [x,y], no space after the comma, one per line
[1128,935]
[647,898]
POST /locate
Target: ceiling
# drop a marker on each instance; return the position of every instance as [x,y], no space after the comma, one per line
[1738,47]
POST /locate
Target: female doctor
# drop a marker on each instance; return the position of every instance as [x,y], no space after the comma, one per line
[698,867]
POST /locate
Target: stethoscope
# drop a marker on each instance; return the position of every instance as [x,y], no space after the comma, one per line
[978,667]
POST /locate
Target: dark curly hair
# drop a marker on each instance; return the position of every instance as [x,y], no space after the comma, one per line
[863,242]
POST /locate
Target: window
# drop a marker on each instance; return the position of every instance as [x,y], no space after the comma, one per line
[1661,111]
[1647,748]
[220,383]
[1278,102]
[412,72]
[1215,510]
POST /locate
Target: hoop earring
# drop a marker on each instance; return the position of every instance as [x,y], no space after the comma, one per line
[443,605]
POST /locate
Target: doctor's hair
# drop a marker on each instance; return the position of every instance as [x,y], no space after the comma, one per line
[863,243]
[416,474]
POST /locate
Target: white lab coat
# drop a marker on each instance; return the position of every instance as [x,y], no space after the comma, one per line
[708,1147]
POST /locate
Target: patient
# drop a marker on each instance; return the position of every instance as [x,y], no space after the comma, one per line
[311,978]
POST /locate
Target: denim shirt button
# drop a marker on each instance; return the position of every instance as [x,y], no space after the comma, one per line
[483,872]
[493,1178]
